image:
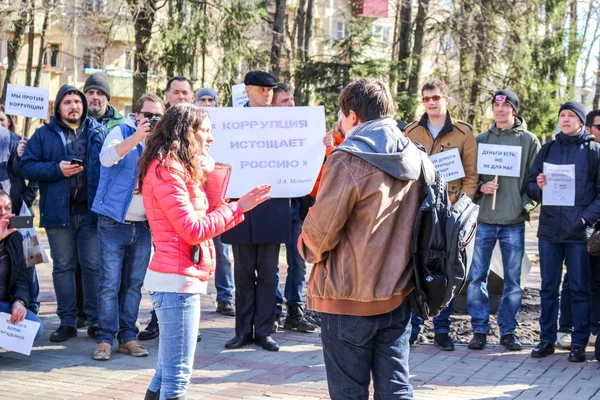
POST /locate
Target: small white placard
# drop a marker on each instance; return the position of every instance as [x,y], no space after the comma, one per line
[238,95]
[494,159]
[448,164]
[26,101]
[17,337]
[559,189]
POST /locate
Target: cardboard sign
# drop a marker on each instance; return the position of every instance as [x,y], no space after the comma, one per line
[279,146]
[26,101]
[17,337]
[559,189]
[448,163]
[238,95]
[493,159]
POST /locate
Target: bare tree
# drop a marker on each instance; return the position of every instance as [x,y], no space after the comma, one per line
[278,37]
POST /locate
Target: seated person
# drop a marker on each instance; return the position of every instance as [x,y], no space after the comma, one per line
[14,287]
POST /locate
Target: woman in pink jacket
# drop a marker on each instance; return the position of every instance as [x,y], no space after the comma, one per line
[173,170]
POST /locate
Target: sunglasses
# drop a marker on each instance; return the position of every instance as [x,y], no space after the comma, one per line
[426,99]
[149,115]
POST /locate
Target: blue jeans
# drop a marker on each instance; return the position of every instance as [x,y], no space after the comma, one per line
[441,322]
[5,307]
[223,274]
[512,247]
[34,290]
[296,273]
[178,320]
[77,242]
[124,255]
[576,259]
[354,347]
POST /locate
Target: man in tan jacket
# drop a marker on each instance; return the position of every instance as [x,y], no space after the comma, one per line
[358,235]
[438,132]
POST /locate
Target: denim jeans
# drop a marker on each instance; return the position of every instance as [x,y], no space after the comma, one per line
[69,244]
[441,322]
[296,273]
[34,290]
[512,247]
[354,347]
[5,307]
[124,255]
[178,320]
[223,273]
[576,258]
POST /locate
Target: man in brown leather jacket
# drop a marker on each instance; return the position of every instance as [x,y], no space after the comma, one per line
[358,235]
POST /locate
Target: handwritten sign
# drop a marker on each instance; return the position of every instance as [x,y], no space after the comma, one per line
[493,159]
[280,146]
[238,95]
[559,189]
[17,337]
[448,164]
[26,101]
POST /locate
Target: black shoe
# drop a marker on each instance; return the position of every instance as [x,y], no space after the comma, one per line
[511,342]
[199,338]
[63,333]
[91,331]
[577,354]
[151,331]
[226,308]
[267,343]
[543,349]
[478,342]
[443,341]
[81,322]
[296,320]
[239,341]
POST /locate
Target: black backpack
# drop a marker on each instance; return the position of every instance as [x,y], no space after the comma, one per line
[442,246]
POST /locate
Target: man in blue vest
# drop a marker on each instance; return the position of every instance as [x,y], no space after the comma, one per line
[63,156]
[123,233]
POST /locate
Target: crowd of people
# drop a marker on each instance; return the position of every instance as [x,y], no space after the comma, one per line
[113,187]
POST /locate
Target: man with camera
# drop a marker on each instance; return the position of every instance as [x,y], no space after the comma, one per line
[63,156]
[123,233]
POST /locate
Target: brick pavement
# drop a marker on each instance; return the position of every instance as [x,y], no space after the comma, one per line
[67,370]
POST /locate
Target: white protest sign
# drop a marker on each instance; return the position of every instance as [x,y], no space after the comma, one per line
[17,337]
[494,159]
[279,146]
[559,189]
[238,95]
[448,164]
[26,101]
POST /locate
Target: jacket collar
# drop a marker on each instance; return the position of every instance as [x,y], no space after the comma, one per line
[448,125]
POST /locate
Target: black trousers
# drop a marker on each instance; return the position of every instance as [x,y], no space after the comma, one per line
[255,282]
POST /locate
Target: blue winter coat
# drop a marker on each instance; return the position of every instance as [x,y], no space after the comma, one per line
[41,162]
[562,224]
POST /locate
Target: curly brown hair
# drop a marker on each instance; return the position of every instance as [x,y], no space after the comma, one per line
[174,139]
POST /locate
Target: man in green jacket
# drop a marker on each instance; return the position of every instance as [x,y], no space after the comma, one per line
[504,224]
[97,93]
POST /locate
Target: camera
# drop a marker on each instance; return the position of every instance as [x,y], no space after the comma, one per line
[152,121]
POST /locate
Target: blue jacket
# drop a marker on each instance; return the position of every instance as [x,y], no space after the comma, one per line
[41,162]
[562,224]
[117,183]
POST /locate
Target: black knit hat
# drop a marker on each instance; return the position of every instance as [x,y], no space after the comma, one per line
[508,96]
[576,107]
[98,81]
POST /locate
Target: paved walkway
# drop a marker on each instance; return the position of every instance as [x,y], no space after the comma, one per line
[67,370]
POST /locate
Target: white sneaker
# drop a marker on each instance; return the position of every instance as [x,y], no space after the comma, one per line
[592,341]
[563,340]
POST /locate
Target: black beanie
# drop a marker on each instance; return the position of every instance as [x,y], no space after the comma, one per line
[576,107]
[508,96]
[98,81]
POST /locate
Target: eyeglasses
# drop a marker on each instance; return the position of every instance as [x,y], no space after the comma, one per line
[149,115]
[426,99]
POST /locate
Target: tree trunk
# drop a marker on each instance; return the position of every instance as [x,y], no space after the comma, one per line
[13,49]
[144,13]
[300,22]
[308,24]
[404,45]
[413,83]
[29,68]
[42,48]
[596,102]
[393,72]
[278,22]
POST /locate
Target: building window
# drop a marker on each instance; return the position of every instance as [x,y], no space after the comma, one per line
[385,32]
[52,56]
[128,64]
[93,58]
[340,32]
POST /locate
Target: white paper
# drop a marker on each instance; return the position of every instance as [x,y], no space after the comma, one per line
[238,95]
[26,101]
[559,189]
[493,159]
[279,146]
[448,164]
[19,337]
